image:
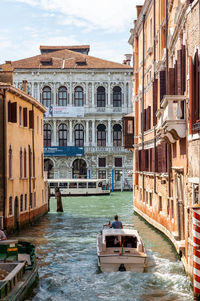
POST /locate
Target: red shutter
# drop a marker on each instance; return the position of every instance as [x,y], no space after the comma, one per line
[25,116]
[143,159]
[155,101]
[162,84]
[144,120]
[175,79]
[9,112]
[179,73]
[191,93]
[183,69]
[196,88]
[31,119]
[14,112]
[171,84]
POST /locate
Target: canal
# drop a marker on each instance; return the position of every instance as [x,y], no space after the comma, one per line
[66,250]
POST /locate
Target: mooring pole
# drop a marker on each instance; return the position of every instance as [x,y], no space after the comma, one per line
[196,250]
[59,200]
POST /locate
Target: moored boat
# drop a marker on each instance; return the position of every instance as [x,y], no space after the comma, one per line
[121,250]
[18,269]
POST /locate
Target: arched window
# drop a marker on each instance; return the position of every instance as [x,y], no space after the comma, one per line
[78,97]
[117,97]
[62,133]
[79,135]
[62,96]
[47,134]
[10,160]
[101,135]
[117,135]
[46,96]
[21,163]
[101,97]
[10,206]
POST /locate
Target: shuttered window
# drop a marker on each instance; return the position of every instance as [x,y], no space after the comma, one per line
[25,117]
[31,119]
[162,84]
[155,100]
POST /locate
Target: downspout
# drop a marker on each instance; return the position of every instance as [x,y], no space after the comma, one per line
[167,79]
[142,123]
[4,158]
[154,78]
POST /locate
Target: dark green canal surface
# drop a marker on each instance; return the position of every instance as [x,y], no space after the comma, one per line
[66,250]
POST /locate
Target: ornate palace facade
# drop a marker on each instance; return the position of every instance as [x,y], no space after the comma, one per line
[86,98]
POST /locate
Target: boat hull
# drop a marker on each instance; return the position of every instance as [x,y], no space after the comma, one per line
[122,263]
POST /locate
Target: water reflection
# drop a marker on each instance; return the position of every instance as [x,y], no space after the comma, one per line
[66,248]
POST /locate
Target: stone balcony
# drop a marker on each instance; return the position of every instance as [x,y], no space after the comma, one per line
[103,149]
[171,124]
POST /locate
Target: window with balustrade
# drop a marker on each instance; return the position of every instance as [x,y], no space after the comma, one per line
[117,97]
[78,97]
[101,135]
[46,96]
[101,97]
[62,134]
[117,135]
[62,96]
[47,134]
[79,135]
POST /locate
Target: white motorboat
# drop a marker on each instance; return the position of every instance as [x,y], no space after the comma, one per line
[121,250]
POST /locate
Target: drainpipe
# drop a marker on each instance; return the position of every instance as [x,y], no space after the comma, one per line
[4,158]
[154,77]
[142,123]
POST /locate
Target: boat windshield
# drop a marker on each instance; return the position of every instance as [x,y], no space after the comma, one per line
[115,241]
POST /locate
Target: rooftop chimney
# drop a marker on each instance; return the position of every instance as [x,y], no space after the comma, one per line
[138,8]
[127,60]
[24,86]
[6,75]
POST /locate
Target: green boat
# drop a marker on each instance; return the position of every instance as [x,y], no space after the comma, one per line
[18,269]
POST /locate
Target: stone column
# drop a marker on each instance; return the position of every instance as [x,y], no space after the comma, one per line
[109,100]
[93,133]
[70,133]
[92,94]
[87,133]
[109,132]
[38,92]
[32,89]
[86,94]
[54,94]
[54,134]
[70,93]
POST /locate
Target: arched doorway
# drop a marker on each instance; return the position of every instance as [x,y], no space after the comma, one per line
[48,167]
[16,214]
[79,169]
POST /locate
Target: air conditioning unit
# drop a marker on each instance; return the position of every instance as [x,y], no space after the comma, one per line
[1,222]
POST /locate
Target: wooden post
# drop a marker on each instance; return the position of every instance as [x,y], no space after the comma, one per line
[59,200]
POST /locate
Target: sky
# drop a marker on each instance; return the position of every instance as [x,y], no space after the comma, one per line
[103,24]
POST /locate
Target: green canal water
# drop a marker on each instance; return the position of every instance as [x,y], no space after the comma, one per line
[66,250]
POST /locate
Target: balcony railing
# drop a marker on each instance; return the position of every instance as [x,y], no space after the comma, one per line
[108,149]
[172,118]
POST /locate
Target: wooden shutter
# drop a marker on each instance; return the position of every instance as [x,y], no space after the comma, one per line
[155,101]
[14,112]
[175,79]
[196,87]
[146,159]
[179,73]
[31,119]
[183,69]
[162,84]
[143,159]
[191,93]
[162,157]
[25,117]
[9,112]
[171,82]
[148,117]
[144,120]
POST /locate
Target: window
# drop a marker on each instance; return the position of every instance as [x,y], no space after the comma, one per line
[10,160]
[62,96]
[25,117]
[195,194]
[21,202]
[78,97]
[21,163]
[34,199]
[101,135]
[20,115]
[118,162]
[79,135]
[101,97]
[117,175]
[82,185]
[25,202]
[10,206]
[47,135]
[168,207]
[12,112]
[46,96]
[73,185]
[150,199]
[31,119]
[160,203]
[130,127]
[147,197]
[102,174]
[62,133]
[117,97]
[30,161]
[91,185]
[31,200]
[25,164]
[117,135]
[102,162]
